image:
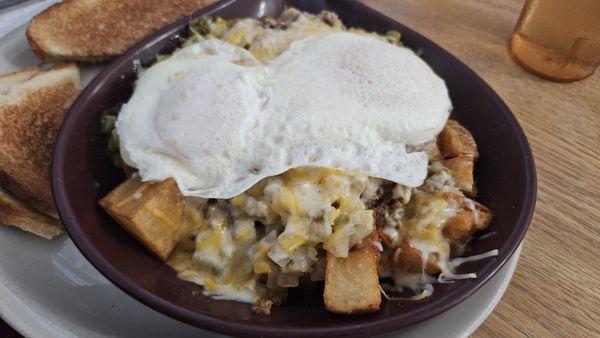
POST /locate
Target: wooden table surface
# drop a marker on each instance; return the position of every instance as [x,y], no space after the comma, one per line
[556,288]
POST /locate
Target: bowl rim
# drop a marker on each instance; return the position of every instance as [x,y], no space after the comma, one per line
[197,319]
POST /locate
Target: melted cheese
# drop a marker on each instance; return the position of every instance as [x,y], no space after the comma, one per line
[314,205]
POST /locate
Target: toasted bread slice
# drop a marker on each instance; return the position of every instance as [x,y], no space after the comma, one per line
[15,213]
[352,283]
[96,30]
[9,80]
[31,111]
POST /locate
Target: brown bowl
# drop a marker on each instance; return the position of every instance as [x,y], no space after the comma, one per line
[83,173]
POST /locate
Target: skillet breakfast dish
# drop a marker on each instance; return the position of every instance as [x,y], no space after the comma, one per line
[268,153]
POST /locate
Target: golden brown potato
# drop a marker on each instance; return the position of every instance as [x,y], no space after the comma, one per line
[262,307]
[471,217]
[459,228]
[386,240]
[408,259]
[150,211]
[455,140]
[352,283]
[461,169]
[484,216]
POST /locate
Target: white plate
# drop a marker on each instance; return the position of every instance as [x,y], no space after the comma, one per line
[48,289]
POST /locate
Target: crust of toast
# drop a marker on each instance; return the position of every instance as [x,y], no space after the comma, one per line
[96,30]
[7,81]
[30,114]
[16,213]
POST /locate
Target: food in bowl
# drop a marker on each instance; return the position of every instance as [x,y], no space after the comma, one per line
[267,153]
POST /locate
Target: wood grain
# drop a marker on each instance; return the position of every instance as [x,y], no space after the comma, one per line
[556,288]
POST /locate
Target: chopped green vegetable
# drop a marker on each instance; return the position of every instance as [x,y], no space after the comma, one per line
[215,27]
[160,57]
[394,37]
[107,127]
[107,123]
[113,142]
[290,15]
[219,27]
[201,26]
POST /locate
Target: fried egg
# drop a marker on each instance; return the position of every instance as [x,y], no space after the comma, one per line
[217,120]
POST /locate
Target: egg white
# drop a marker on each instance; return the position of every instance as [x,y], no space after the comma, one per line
[217,120]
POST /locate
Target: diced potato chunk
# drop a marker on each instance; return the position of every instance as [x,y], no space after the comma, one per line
[471,217]
[262,307]
[387,240]
[459,228]
[461,169]
[455,140]
[150,211]
[352,283]
[408,259]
